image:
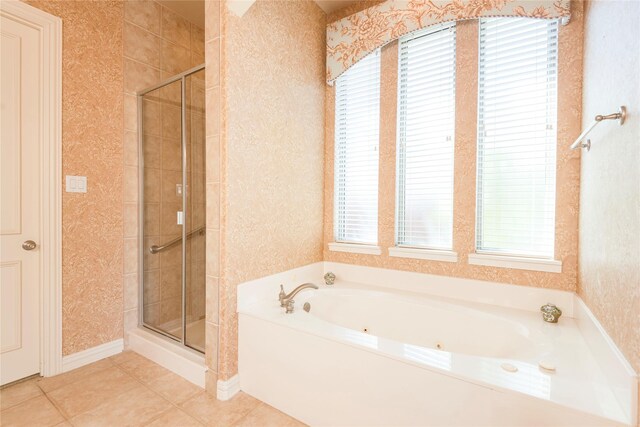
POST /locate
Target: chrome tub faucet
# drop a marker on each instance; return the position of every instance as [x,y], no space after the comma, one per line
[286,300]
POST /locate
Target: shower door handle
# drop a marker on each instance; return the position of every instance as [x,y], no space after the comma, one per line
[180,217]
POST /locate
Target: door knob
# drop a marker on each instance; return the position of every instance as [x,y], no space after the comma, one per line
[29,245]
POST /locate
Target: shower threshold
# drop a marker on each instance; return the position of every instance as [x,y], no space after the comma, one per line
[183,361]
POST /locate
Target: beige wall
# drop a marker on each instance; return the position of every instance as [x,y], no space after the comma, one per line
[92,224]
[569,99]
[272,149]
[609,279]
[157,44]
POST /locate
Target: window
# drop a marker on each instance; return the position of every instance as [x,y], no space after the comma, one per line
[426,121]
[356,152]
[517,137]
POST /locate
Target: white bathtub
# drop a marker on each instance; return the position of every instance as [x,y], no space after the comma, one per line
[369,355]
[432,323]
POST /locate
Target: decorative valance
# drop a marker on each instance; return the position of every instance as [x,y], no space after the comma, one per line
[352,38]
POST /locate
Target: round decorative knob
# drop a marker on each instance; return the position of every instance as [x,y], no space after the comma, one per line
[329,278]
[550,313]
[29,245]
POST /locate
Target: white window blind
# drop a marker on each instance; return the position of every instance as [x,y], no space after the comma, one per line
[518,64]
[426,122]
[356,152]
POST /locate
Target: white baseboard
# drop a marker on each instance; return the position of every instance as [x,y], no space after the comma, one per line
[166,353]
[90,355]
[228,389]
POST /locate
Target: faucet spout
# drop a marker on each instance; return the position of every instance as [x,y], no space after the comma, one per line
[286,300]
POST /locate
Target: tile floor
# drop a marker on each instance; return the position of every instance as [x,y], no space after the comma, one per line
[128,390]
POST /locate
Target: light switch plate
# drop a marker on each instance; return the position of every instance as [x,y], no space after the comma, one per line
[76,184]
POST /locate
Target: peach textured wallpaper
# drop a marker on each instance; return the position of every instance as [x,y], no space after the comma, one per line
[92,110]
[272,149]
[609,278]
[568,166]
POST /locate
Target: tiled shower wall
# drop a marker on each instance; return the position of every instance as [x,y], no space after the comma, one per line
[157,44]
[213,102]
[196,207]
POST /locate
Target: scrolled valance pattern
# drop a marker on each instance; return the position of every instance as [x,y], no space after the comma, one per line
[352,38]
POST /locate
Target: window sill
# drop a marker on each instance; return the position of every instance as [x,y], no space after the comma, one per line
[519,263]
[419,253]
[355,248]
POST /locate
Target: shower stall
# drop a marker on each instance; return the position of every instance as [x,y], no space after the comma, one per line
[171,132]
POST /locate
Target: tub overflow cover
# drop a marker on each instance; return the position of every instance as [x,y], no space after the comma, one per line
[509,367]
[546,365]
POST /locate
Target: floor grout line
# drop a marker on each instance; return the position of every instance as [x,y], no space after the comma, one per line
[20,403]
[7,386]
[20,381]
[53,402]
[245,415]
[165,405]
[64,415]
[171,404]
[73,382]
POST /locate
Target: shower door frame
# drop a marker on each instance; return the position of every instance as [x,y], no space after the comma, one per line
[182,77]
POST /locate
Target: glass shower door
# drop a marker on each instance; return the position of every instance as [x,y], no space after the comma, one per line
[162,206]
[173,208]
[196,208]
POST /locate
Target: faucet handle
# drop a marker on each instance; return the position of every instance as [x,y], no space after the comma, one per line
[289,306]
[282,295]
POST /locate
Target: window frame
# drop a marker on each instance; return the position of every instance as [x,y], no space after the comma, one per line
[506,259]
[407,249]
[340,243]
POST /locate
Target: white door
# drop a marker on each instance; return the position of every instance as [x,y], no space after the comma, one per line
[20,233]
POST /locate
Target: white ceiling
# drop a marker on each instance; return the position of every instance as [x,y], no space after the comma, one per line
[193,10]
